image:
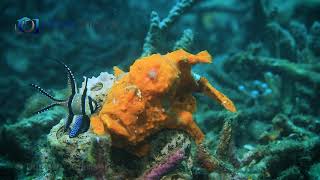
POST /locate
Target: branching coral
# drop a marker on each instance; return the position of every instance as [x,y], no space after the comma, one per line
[168,151]
[282,42]
[296,149]
[153,33]
[185,41]
[224,160]
[225,141]
[157,26]
[283,124]
[305,72]
[211,163]
[162,168]
[314,38]
[291,151]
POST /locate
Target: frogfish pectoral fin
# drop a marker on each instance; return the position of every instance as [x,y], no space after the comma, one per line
[212,92]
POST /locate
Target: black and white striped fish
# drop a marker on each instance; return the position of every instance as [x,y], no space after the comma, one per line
[79,105]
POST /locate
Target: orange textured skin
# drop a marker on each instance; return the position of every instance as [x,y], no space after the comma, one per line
[155,94]
[153,75]
[97,125]
[212,92]
[117,71]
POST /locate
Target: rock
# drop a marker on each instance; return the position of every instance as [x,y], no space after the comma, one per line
[18,138]
[84,156]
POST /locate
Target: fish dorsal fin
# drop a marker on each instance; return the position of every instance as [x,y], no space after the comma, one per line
[212,92]
[117,71]
[73,90]
[84,96]
[71,80]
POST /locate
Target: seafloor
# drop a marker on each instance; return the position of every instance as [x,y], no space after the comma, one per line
[266,59]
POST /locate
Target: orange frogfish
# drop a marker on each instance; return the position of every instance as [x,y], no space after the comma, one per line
[155,94]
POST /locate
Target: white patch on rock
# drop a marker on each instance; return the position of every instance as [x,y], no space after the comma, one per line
[98,87]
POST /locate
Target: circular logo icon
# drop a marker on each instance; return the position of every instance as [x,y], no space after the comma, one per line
[27,25]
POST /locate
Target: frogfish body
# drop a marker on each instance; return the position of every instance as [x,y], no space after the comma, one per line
[155,94]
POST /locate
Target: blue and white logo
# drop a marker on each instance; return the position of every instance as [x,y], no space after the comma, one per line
[27,25]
